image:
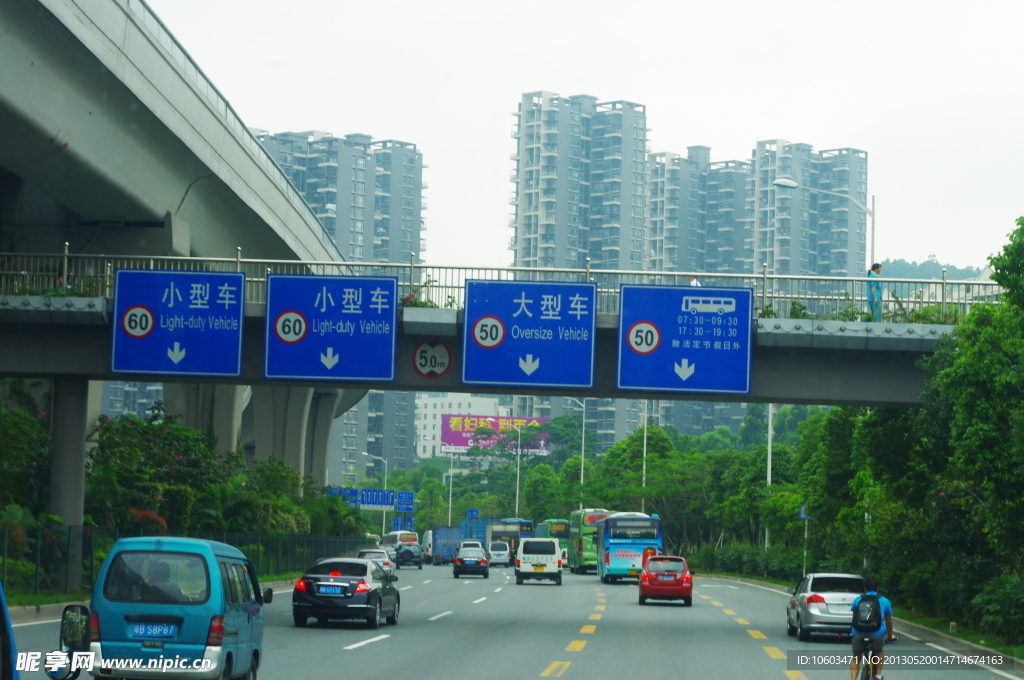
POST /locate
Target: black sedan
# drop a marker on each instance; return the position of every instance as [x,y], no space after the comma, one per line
[345,588]
[471,561]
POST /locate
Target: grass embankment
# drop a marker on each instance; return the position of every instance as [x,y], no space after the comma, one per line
[936,623]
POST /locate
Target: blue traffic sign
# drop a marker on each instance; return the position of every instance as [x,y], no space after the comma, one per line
[396,523]
[406,501]
[376,499]
[529,333]
[472,514]
[178,323]
[410,523]
[351,496]
[331,327]
[685,339]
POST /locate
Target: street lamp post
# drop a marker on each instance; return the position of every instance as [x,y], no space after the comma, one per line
[384,518]
[792,184]
[583,441]
[519,450]
[451,482]
[643,499]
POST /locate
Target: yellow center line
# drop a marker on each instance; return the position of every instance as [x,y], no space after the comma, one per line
[555,670]
[595,617]
[599,608]
[729,612]
[576,646]
[756,634]
[706,597]
[601,599]
[742,622]
[588,629]
[600,594]
[714,602]
[795,675]
[775,652]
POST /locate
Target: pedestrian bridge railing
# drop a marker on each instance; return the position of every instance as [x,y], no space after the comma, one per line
[838,298]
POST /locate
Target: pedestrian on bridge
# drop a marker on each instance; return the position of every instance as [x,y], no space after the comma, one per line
[694,282]
[875,292]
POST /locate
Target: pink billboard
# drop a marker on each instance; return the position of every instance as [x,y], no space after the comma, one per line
[457,432]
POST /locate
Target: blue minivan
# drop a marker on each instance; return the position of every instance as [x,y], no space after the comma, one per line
[177,608]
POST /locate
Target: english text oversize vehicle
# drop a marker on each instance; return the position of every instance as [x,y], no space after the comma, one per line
[622,538]
[346,588]
[471,561]
[582,548]
[540,559]
[666,578]
[166,596]
[821,604]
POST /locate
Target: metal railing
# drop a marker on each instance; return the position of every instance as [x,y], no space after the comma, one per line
[179,55]
[839,298]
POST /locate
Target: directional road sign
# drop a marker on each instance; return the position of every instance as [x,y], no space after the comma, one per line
[472,514]
[178,323]
[529,333]
[351,496]
[331,327]
[410,523]
[376,499]
[405,501]
[396,523]
[685,339]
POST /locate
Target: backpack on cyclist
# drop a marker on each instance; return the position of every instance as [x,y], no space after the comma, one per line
[867,618]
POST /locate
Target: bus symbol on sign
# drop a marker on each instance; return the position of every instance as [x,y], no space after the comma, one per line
[694,304]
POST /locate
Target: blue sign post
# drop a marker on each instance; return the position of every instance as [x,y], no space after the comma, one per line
[406,501]
[396,523]
[685,339]
[410,523]
[376,499]
[529,333]
[178,323]
[331,327]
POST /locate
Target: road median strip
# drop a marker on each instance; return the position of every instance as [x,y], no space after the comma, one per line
[775,652]
[576,646]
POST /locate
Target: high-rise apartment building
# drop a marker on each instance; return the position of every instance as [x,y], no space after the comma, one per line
[369,196]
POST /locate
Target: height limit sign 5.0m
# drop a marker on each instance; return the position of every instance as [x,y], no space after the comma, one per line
[685,339]
[529,333]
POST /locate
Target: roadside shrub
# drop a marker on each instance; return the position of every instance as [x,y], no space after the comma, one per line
[177,505]
[21,575]
[999,608]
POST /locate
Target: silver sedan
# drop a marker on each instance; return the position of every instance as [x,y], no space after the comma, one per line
[821,604]
[381,556]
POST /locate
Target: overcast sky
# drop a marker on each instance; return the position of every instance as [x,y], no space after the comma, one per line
[931,90]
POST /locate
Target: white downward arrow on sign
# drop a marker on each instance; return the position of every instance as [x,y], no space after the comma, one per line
[529,364]
[685,369]
[177,354]
[329,359]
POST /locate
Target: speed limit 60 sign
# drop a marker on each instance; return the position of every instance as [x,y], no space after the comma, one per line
[685,339]
[178,323]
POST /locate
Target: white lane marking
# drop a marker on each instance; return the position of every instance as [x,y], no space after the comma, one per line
[915,639]
[427,581]
[770,590]
[711,586]
[988,668]
[467,582]
[498,590]
[405,588]
[366,642]
[34,623]
[435,618]
[479,601]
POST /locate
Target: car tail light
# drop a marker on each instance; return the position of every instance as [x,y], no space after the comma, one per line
[335,573]
[387,564]
[607,558]
[301,585]
[483,561]
[815,599]
[687,578]
[518,563]
[643,575]
[458,560]
[559,564]
[94,625]
[215,638]
[361,587]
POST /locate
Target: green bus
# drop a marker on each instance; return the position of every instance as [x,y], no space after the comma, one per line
[583,538]
[554,528]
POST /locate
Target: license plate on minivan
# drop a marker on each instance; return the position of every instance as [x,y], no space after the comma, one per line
[538,567]
[154,629]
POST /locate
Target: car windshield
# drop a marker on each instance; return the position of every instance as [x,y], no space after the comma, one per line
[837,584]
[471,553]
[338,569]
[157,577]
[539,547]
[499,547]
[409,548]
[670,566]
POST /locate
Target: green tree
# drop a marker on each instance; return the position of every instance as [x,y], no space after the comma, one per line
[541,493]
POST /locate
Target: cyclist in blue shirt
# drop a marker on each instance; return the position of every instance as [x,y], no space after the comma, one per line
[874,640]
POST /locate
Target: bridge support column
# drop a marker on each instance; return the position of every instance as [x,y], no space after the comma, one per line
[206,407]
[282,416]
[69,421]
[321,418]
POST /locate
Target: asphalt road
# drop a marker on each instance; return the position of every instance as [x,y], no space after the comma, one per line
[492,628]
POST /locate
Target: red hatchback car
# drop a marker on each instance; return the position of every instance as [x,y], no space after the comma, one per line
[666,578]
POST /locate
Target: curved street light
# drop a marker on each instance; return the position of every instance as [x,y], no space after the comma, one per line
[583,440]
[788,183]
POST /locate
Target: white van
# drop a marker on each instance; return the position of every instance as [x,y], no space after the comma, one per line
[427,545]
[539,558]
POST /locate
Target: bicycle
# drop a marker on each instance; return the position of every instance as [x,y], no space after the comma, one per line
[869,658]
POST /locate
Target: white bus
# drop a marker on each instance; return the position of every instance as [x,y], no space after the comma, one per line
[393,538]
[694,304]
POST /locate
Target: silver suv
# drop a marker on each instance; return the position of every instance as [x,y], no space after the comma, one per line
[500,554]
[821,604]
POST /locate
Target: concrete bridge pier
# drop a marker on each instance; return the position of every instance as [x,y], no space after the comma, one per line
[207,407]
